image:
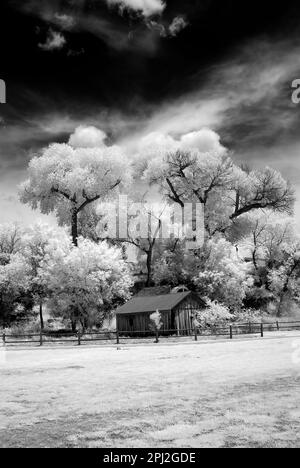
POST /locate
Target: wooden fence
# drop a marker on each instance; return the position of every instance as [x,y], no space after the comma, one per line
[117,337]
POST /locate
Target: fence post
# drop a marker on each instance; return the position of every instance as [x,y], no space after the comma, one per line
[118,337]
[196,333]
[41,338]
[3,339]
[79,338]
[277,324]
[157,336]
[262,330]
[230,332]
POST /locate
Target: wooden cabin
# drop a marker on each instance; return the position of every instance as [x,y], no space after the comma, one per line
[177,309]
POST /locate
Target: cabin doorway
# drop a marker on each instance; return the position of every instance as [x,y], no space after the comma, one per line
[131,324]
[173,321]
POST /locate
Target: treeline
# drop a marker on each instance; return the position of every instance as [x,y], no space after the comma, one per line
[250,258]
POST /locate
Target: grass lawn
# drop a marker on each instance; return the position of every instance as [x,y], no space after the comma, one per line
[240,393]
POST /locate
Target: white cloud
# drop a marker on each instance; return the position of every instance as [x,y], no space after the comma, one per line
[64,21]
[157,140]
[87,137]
[177,25]
[54,41]
[188,113]
[203,140]
[146,7]
[168,30]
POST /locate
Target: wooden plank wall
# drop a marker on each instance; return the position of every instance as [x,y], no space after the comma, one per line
[184,315]
[141,322]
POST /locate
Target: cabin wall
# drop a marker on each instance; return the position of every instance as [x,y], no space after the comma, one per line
[133,322]
[184,315]
[141,322]
[181,318]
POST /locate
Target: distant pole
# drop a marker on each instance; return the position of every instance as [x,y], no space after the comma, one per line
[230,332]
[118,337]
[41,338]
[262,330]
[79,338]
[196,333]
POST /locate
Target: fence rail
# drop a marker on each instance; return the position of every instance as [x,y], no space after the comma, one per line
[230,330]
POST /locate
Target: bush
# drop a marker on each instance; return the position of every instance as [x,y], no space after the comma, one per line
[155,321]
[215,313]
[24,328]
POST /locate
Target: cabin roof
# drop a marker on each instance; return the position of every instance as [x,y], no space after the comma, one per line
[144,304]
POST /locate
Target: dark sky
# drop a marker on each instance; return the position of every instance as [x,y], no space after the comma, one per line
[104,67]
[174,68]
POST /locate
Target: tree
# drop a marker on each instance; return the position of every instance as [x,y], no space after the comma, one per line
[66,180]
[15,299]
[187,175]
[36,242]
[270,236]
[223,276]
[10,241]
[142,231]
[226,191]
[174,264]
[156,322]
[285,279]
[87,281]
[15,296]
[150,219]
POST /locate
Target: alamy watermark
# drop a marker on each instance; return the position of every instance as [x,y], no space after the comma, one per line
[296,92]
[125,220]
[2,92]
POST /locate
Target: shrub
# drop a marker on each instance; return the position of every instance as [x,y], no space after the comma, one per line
[214,314]
[155,321]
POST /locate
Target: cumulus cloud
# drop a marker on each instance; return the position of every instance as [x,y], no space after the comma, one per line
[204,140]
[146,7]
[55,41]
[157,140]
[87,137]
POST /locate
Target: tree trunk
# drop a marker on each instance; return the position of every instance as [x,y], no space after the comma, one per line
[149,268]
[280,305]
[254,260]
[75,227]
[41,316]
[73,323]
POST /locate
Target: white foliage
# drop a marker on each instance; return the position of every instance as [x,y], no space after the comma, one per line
[37,241]
[225,276]
[10,241]
[15,276]
[214,314]
[64,177]
[156,321]
[86,278]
